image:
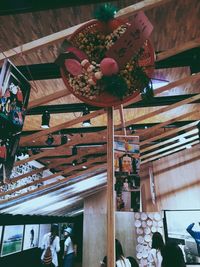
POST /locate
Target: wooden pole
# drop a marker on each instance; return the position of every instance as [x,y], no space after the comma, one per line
[110,191]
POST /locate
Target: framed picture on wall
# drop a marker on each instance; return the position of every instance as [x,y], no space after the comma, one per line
[12,239]
[43,229]
[31,236]
[1,230]
[183,227]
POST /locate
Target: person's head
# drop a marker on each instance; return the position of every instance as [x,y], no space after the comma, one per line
[157,241]
[54,229]
[118,250]
[133,262]
[67,231]
[173,256]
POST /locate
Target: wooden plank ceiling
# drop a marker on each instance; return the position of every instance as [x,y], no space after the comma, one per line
[35,38]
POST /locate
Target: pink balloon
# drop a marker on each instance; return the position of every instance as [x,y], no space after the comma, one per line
[109,66]
[73,66]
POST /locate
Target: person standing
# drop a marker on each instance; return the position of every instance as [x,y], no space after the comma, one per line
[195,235]
[32,237]
[121,261]
[173,256]
[156,253]
[68,248]
[51,240]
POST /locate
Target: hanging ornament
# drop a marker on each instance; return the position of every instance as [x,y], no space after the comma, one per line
[109,61]
[105,15]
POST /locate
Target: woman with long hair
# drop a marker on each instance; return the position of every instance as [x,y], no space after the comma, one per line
[121,261]
[156,253]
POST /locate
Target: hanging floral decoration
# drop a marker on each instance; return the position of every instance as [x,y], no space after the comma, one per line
[90,73]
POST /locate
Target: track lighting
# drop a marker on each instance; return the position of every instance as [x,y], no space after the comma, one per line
[64,139]
[194,68]
[74,162]
[49,140]
[45,119]
[87,122]
[74,150]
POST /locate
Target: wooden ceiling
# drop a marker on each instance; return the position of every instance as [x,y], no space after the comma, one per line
[30,38]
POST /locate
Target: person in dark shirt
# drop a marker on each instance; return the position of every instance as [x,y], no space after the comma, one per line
[195,235]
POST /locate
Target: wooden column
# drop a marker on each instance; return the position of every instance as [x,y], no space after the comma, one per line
[110,191]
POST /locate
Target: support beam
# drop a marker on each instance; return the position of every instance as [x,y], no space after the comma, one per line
[110,191]
[48,98]
[121,112]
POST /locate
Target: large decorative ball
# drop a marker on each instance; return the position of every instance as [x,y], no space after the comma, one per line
[109,66]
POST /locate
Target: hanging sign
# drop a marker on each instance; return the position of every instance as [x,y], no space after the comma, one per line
[132,40]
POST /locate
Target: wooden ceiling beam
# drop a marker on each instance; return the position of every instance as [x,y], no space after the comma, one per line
[88,163]
[60,173]
[62,126]
[95,138]
[48,98]
[41,42]
[61,35]
[149,148]
[142,5]
[169,152]
[169,147]
[162,110]
[60,182]
[176,50]
[80,154]
[163,124]
[38,156]
[168,133]
[187,79]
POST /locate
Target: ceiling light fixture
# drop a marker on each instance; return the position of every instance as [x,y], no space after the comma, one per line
[74,162]
[86,123]
[45,119]
[157,83]
[49,140]
[84,167]
[64,139]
